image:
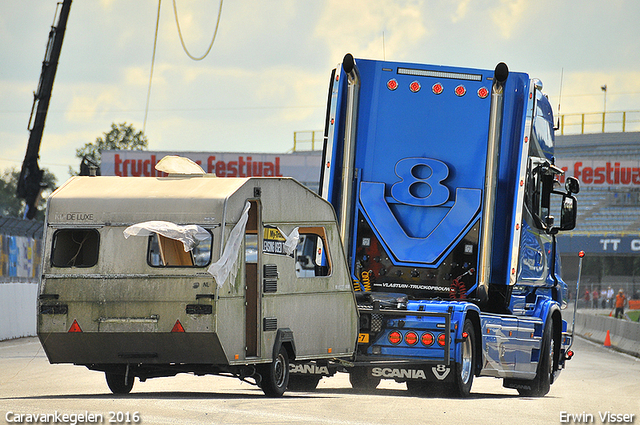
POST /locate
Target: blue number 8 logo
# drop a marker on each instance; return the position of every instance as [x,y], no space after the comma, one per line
[420,182]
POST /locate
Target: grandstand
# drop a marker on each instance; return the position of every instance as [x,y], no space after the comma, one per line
[604,207]
[608,229]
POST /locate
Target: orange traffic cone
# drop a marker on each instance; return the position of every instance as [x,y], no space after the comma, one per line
[607,340]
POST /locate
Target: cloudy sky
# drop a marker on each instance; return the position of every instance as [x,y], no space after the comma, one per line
[267,73]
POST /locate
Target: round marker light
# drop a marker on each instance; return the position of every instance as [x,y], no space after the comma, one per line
[460,90]
[483,92]
[395,337]
[441,340]
[437,88]
[427,339]
[415,87]
[392,84]
[411,338]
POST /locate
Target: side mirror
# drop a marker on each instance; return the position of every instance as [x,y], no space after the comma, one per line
[572,185]
[568,212]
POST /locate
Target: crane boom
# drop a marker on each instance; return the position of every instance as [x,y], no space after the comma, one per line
[29,183]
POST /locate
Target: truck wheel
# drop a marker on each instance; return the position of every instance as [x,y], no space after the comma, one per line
[361,379]
[541,384]
[303,383]
[117,384]
[464,371]
[424,388]
[275,375]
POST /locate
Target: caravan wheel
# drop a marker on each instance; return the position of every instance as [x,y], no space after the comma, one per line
[117,384]
[275,375]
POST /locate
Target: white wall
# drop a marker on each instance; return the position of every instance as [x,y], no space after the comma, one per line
[18,303]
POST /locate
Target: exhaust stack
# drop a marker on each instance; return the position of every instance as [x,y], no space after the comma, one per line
[348,156]
[501,74]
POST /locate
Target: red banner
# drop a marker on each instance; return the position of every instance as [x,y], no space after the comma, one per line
[602,172]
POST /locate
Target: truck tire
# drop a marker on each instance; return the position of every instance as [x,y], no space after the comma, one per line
[303,383]
[361,379]
[275,375]
[464,371]
[117,384]
[425,388]
[541,384]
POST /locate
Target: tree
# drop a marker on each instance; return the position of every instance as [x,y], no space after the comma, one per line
[122,136]
[11,205]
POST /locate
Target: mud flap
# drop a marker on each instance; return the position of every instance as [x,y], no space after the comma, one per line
[426,373]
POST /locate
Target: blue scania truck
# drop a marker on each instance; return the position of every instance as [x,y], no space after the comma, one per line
[445,188]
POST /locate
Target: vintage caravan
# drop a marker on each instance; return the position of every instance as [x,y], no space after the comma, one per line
[149,277]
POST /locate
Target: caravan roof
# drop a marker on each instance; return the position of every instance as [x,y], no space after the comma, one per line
[184,199]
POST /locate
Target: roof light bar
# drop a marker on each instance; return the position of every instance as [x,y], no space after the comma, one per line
[439,74]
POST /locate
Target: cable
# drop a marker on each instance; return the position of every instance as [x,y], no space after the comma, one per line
[153,61]
[175,12]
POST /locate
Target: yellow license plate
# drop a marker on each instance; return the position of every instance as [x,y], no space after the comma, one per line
[363,338]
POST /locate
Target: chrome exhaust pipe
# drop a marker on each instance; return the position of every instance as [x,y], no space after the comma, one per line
[348,154]
[500,75]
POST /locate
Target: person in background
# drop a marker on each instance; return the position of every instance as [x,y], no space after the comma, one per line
[587,298]
[609,298]
[595,295]
[621,301]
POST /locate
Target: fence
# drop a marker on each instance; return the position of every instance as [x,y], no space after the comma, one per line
[20,269]
[310,138]
[599,122]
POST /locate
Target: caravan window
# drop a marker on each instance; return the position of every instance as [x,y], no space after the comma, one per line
[75,248]
[166,252]
[312,258]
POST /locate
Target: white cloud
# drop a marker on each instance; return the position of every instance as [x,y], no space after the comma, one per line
[461,11]
[357,27]
[267,73]
[508,16]
[582,91]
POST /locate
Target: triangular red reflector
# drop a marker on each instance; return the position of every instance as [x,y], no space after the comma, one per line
[177,327]
[75,327]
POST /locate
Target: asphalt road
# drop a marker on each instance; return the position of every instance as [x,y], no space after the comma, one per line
[596,381]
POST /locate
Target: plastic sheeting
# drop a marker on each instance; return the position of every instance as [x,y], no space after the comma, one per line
[172,164]
[291,241]
[189,234]
[226,265]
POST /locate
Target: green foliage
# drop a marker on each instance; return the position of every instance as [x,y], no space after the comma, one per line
[11,205]
[121,137]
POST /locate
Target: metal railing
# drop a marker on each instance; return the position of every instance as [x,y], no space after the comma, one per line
[306,138]
[600,122]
